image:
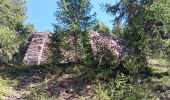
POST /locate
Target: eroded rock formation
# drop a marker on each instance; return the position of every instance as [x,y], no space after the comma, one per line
[37,49]
[100,42]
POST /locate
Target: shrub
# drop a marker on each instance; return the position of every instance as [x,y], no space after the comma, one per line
[8,44]
[121,88]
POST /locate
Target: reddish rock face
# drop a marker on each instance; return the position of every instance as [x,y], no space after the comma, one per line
[38,47]
[99,42]
[114,45]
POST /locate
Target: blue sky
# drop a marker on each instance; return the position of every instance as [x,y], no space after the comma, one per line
[41,13]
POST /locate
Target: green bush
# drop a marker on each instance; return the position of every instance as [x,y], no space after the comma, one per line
[131,65]
[121,88]
[8,44]
[101,28]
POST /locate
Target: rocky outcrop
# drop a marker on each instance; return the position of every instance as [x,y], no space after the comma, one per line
[101,42]
[36,49]
[67,49]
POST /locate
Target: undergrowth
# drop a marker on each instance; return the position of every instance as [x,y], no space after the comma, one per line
[108,86]
[121,88]
[5,87]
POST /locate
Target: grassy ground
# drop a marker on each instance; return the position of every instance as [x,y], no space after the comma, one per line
[73,82]
[5,87]
[160,80]
[42,83]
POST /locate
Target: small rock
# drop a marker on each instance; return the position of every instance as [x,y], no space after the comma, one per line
[69,91]
[88,86]
[2,68]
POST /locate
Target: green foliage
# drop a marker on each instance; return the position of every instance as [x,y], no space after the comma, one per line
[121,88]
[106,58]
[74,19]
[132,65]
[8,44]
[12,13]
[117,29]
[55,45]
[74,14]
[101,28]
[37,92]
[161,12]
[87,50]
[5,83]
[24,33]
[27,30]
[144,21]
[13,32]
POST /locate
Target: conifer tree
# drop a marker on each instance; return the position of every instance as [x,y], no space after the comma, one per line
[74,17]
[144,21]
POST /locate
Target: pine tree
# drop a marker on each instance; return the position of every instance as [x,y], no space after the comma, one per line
[101,28]
[144,20]
[74,17]
[117,29]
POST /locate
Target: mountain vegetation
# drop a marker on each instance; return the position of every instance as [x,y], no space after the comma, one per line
[127,62]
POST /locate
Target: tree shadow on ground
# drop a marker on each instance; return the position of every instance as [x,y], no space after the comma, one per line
[159,82]
[69,87]
[160,75]
[62,81]
[68,84]
[25,75]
